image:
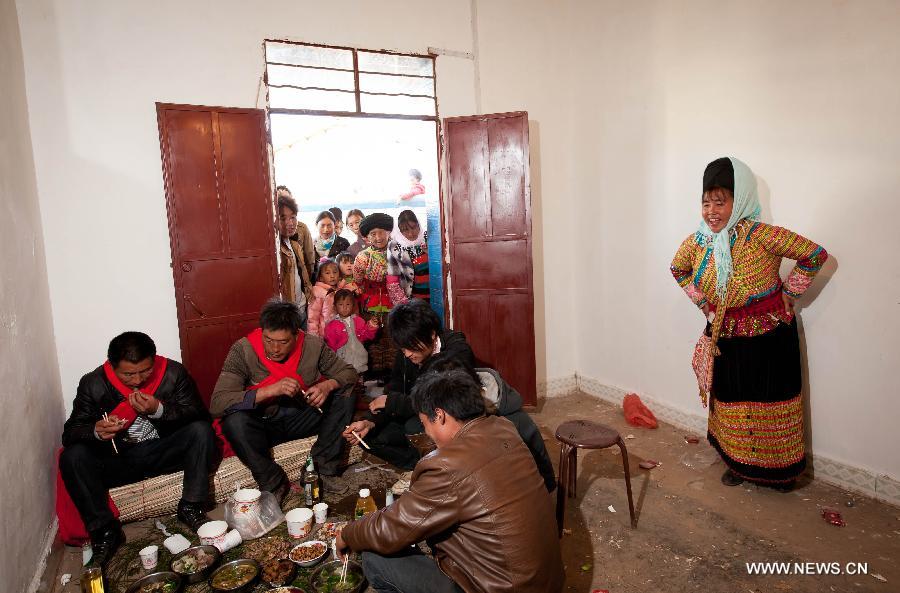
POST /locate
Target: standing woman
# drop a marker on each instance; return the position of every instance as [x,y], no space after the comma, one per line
[370,275]
[408,260]
[329,243]
[729,268]
[354,218]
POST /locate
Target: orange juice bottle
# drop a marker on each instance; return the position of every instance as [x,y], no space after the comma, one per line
[365,504]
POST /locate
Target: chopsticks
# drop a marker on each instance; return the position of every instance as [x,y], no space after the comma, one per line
[359,438]
[344,568]
[112,440]
[319,410]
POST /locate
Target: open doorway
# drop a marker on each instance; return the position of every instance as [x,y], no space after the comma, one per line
[365,164]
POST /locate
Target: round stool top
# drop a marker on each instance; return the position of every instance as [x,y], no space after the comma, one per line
[587,434]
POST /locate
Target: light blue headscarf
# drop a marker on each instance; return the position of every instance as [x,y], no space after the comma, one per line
[746,205]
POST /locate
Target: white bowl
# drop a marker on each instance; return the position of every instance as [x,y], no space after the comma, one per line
[307,563]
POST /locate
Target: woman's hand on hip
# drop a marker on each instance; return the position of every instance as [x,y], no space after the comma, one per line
[788,303]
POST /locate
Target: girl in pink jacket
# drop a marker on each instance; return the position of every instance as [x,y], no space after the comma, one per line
[346,333]
[321,306]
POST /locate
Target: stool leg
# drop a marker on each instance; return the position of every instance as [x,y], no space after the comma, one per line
[561,486]
[573,471]
[624,451]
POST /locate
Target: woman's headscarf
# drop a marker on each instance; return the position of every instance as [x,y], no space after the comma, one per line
[746,205]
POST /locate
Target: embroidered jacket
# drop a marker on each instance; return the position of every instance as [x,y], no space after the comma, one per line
[754,303]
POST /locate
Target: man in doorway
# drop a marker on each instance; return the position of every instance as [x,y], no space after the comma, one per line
[478,501]
[136,416]
[298,257]
[279,384]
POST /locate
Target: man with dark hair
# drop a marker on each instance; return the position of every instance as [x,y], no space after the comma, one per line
[298,256]
[477,500]
[277,385]
[416,330]
[136,416]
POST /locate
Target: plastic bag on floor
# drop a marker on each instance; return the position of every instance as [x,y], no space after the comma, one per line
[636,413]
[253,516]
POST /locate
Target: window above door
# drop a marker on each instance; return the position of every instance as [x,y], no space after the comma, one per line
[308,78]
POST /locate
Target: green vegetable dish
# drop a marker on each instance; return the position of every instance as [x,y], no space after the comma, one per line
[166,586]
[329,580]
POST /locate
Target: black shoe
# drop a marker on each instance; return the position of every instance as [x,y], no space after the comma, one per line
[729,478]
[784,487]
[280,491]
[105,542]
[191,514]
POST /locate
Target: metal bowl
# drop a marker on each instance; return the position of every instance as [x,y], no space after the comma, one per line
[292,573]
[157,577]
[335,566]
[200,575]
[241,589]
[308,563]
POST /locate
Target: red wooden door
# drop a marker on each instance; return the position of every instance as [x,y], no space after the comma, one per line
[219,200]
[492,294]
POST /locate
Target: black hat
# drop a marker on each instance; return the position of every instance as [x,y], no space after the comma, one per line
[719,173]
[379,220]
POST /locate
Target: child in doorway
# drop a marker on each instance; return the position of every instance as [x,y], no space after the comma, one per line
[321,306]
[415,186]
[346,333]
[345,265]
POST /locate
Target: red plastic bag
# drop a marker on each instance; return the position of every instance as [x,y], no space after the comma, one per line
[636,413]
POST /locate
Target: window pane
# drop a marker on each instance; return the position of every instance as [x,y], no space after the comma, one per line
[395,64]
[319,100]
[307,55]
[398,105]
[385,83]
[310,77]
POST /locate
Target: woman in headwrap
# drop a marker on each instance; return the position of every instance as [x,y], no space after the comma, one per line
[729,268]
[370,275]
[407,274]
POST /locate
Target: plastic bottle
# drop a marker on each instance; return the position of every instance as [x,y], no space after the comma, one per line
[365,504]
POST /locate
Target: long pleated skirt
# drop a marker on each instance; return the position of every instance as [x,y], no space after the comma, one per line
[756,411]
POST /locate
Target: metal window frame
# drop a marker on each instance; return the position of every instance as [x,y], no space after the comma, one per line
[356,90]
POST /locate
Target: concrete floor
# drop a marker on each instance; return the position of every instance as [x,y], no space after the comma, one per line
[693,533]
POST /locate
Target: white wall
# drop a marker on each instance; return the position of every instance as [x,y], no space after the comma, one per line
[30,397]
[807,94]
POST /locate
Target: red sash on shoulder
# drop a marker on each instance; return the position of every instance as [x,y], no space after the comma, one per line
[277,370]
[124,409]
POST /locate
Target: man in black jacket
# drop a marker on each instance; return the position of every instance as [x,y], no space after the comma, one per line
[136,416]
[422,343]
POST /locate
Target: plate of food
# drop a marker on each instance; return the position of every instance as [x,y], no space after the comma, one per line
[278,572]
[236,576]
[267,548]
[308,553]
[157,582]
[329,531]
[195,564]
[327,578]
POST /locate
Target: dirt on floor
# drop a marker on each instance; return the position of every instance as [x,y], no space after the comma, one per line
[693,533]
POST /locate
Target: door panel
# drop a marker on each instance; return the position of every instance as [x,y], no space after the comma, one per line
[221,228]
[193,172]
[490,243]
[487,265]
[468,177]
[243,177]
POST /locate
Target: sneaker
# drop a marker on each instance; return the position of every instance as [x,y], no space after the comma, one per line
[191,514]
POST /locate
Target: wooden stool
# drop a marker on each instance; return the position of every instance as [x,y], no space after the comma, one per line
[584,434]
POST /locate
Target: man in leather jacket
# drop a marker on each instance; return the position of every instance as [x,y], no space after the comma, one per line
[478,500]
[136,416]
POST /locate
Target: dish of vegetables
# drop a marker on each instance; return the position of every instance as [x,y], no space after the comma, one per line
[328,578]
[166,586]
[233,576]
[193,561]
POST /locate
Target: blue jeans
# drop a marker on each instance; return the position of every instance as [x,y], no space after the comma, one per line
[409,571]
